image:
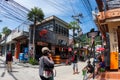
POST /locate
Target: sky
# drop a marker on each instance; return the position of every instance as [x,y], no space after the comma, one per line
[63,9]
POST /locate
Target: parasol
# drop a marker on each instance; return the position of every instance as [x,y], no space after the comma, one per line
[100,49]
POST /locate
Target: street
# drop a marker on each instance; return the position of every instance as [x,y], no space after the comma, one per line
[25,71]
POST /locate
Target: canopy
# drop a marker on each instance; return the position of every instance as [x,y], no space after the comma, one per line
[100,49]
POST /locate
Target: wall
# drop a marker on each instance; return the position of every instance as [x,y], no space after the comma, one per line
[114,59]
[113,36]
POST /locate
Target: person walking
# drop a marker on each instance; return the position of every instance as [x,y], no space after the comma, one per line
[75,63]
[46,65]
[9,60]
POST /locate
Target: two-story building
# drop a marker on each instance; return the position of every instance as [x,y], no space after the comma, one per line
[53,33]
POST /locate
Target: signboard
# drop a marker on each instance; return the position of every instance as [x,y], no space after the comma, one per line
[114,60]
[45,36]
[112,4]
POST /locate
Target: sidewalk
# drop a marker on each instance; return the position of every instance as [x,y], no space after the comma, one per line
[109,75]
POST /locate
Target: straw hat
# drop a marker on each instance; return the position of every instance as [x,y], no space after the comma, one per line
[45,49]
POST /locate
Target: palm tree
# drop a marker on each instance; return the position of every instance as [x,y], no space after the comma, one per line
[35,15]
[74,26]
[6,31]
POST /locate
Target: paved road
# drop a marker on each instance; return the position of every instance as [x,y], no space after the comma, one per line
[28,72]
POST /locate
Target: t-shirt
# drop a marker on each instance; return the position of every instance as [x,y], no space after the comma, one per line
[75,58]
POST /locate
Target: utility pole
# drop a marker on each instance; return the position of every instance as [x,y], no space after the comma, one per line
[77,18]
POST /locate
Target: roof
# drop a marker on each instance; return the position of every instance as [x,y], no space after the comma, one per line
[51,18]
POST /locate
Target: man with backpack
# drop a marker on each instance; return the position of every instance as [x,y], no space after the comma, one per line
[46,65]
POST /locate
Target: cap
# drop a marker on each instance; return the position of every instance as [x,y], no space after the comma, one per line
[45,49]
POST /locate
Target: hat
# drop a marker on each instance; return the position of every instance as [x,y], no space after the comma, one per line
[45,49]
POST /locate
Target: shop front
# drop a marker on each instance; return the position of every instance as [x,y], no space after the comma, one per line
[44,38]
[109,25]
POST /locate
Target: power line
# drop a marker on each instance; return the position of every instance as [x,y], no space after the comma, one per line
[57,7]
[14,10]
[72,6]
[18,5]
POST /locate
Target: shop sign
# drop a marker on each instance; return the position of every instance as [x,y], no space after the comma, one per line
[45,36]
[112,4]
[42,43]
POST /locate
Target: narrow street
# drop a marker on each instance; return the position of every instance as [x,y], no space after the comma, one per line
[27,72]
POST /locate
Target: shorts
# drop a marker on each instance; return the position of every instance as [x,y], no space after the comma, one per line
[75,65]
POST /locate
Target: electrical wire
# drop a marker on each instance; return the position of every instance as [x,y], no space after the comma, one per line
[57,7]
[72,6]
[14,10]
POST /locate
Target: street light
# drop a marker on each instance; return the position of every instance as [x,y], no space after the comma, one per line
[92,34]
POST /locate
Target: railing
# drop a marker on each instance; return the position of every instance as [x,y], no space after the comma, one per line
[20,31]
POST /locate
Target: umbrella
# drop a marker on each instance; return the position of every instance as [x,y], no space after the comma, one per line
[100,49]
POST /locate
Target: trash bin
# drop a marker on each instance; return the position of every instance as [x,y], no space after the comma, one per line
[21,57]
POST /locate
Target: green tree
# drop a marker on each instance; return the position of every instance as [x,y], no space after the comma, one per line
[74,26]
[6,31]
[35,15]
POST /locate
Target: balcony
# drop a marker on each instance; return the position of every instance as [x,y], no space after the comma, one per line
[18,34]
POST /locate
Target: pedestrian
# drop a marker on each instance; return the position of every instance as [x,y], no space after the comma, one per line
[9,60]
[46,65]
[90,67]
[31,52]
[75,63]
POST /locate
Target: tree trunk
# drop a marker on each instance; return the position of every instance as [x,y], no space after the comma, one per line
[34,28]
[73,39]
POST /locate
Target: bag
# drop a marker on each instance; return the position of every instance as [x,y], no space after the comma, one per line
[47,73]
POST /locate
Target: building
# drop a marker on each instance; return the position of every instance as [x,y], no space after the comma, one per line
[53,33]
[15,42]
[108,21]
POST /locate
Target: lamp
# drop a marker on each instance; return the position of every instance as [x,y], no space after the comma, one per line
[92,34]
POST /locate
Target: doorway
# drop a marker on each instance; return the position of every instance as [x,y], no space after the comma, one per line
[118,34]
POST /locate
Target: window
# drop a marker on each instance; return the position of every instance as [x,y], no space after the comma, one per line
[59,29]
[51,27]
[56,28]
